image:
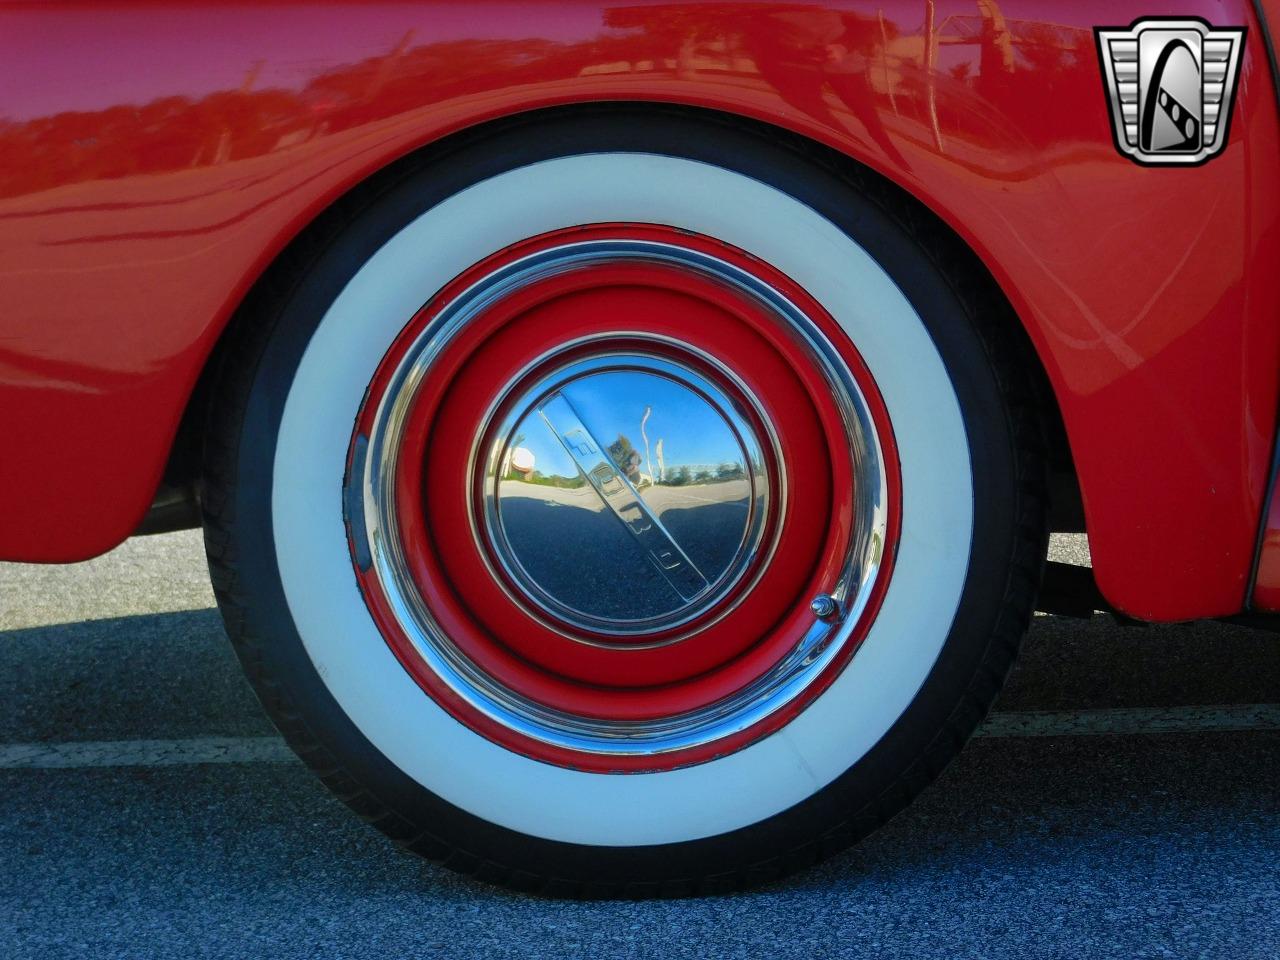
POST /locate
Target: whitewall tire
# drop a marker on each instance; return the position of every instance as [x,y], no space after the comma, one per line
[352,646]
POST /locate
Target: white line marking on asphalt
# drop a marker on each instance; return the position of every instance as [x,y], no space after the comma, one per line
[144,753]
[1126,721]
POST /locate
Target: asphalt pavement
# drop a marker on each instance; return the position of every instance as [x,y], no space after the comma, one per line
[1123,803]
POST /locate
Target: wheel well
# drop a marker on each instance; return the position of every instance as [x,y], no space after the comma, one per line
[176,503]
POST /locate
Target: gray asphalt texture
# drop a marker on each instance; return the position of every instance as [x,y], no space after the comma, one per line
[1103,846]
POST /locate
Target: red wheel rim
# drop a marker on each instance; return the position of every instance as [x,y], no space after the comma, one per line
[623,303]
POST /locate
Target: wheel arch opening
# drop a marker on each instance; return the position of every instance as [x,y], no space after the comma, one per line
[176,505]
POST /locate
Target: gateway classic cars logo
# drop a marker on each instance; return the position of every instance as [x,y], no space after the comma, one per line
[1170,87]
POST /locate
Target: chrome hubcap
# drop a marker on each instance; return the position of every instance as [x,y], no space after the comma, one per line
[624,493]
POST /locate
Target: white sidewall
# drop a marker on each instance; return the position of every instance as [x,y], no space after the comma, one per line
[428,744]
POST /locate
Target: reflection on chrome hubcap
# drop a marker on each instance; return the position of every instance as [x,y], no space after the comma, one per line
[625,493]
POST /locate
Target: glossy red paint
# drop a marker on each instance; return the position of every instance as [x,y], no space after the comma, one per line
[553,663]
[155,157]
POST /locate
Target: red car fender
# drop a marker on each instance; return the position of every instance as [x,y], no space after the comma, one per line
[155,158]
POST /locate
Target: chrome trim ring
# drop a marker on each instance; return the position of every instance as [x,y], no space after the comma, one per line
[377,523]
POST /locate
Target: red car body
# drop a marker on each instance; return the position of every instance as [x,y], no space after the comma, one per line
[156,157]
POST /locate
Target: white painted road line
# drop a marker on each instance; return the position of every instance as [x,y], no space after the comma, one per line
[1130,721]
[144,753]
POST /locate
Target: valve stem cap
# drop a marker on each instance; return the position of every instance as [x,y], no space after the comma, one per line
[824,606]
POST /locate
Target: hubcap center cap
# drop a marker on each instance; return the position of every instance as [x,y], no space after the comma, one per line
[625,494]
